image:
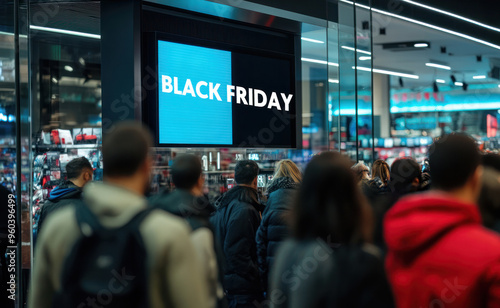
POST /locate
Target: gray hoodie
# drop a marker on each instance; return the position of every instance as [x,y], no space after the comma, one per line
[175,277]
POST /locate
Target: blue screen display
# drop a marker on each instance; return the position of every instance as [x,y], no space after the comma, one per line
[192,109]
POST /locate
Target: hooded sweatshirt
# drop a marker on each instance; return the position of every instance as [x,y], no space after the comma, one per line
[175,279]
[61,196]
[439,255]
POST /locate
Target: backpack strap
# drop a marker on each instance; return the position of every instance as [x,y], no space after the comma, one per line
[89,223]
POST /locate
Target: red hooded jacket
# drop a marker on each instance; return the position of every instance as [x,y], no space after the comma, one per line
[439,255]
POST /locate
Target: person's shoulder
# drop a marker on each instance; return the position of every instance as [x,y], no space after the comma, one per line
[166,221]
[61,220]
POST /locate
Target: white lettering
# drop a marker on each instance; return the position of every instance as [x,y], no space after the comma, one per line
[213,91]
[287,100]
[274,102]
[230,93]
[166,84]
[263,96]
[250,96]
[198,89]
[188,88]
[176,86]
[241,94]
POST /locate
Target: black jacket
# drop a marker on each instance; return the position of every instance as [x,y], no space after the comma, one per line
[196,210]
[311,274]
[274,229]
[63,195]
[235,222]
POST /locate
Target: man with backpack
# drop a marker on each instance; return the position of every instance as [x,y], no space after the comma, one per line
[115,250]
[189,202]
[79,172]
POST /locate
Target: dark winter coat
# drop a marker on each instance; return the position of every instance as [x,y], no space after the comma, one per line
[196,210]
[309,273]
[274,229]
[63,195]
[235,223]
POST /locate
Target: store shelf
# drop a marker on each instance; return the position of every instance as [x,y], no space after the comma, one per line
[66,146]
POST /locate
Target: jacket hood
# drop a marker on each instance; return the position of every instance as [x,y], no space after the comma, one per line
[242,194]
[67,190]
[418,221]
[182,203]
[114,206]
[281,183]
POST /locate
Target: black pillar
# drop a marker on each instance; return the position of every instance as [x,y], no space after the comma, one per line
[121,61]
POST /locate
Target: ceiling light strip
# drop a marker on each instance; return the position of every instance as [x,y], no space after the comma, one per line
[62,31]
[319,61]
[357,50]
[452,15]
[312,40]
[437,28]
[441,66]
[386,72]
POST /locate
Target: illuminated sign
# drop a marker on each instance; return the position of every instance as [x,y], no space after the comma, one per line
[454,100]
[221,97]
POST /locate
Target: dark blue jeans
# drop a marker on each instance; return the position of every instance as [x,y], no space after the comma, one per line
[245,301]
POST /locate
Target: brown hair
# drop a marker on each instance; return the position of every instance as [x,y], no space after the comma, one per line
[330,204]
[381,169]
[125,148]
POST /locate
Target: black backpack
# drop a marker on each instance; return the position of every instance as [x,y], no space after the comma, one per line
[106,267]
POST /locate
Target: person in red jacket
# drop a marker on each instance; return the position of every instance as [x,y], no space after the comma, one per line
[439,253]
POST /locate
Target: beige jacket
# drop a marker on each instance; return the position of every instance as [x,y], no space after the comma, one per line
[175,277]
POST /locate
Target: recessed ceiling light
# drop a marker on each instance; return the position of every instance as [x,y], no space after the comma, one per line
[365,58]
[357,50]
[54,79]
[312,40]
[333,81]
[444,67]
[440,81]
[459,84]
[68,68]
[421,45]
[479,77]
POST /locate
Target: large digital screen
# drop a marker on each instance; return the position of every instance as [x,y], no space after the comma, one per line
[222,97]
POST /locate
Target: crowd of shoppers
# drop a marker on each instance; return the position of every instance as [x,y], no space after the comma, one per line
[336,235]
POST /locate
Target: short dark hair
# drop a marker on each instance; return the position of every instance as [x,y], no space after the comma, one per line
[186,170]
[330,204]
[491,160]
[245,172]
[125,148]
[403,172]
[77,166]
[453,159]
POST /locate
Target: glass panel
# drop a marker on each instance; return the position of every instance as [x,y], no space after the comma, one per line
[65,113]
[364,81]
[8,142]
[347,86]
[315,69]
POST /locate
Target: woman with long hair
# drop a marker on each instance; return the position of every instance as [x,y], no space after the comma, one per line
[273,228]
[328,261]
